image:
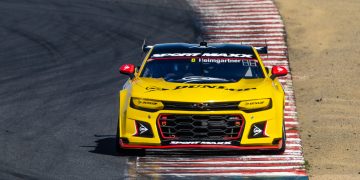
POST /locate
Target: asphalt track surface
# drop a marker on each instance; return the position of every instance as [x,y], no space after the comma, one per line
[59,80]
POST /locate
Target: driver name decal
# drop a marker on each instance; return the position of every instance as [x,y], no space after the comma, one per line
[245,62]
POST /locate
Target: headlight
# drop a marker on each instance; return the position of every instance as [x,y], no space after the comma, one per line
[146,104]
[255,105]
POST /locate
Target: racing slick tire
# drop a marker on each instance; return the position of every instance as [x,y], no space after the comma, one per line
[126,152]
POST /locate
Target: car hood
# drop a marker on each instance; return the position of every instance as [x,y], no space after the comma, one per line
[159,89]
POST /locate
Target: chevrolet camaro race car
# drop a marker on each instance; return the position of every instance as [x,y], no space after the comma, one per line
[201,96]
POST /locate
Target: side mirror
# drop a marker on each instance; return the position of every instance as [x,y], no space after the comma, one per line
[278,71]
[127,69]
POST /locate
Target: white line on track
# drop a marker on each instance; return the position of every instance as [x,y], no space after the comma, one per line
[217,4]
[238,7]
[227,162]
[293,139]
[225,168]
[232,14]
[247,30]
[236,158]
[248,10]
[211,27]
[260,174]
[245,35]
[236,17]
[245,21]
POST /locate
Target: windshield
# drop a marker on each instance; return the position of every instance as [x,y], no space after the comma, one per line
[202,70]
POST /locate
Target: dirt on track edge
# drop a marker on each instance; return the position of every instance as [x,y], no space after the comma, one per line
[323,38]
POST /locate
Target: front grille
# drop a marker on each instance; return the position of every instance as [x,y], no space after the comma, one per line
[201,106]
[200,127]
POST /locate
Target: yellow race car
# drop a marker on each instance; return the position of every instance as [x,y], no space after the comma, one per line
[208,96]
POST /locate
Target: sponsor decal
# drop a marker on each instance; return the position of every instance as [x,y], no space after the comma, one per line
[280,69]
[227,55]
[142,128]
[202,55]
[255,103]
[201,142]
[211,87]
[175,55]
[256,130]
[147,102]
[154,88]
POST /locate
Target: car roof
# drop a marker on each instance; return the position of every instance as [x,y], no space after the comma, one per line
[203,48]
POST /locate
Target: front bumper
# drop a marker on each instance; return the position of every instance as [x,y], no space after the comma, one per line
[272,140]
[191,146]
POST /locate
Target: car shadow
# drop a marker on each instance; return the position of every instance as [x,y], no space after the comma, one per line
[105,145]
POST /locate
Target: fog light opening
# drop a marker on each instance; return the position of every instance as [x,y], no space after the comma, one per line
[258,130]
[143,129]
